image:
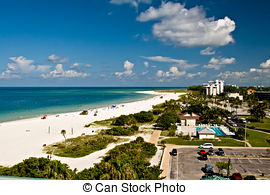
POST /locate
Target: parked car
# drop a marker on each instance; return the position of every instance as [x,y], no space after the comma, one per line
[210,151]
[206,146]
[250,177]
[202,151]
[236,176]
[173,152]
[203,157]
[208,169]
[220,152]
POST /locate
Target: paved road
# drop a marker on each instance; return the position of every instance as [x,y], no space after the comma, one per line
[186,166]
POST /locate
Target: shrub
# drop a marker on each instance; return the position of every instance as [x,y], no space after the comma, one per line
[122,131]
[124,119]
[143,117]
[167,119]
[157,111]
[172,130]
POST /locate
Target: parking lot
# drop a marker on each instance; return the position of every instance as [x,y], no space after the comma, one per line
[187,166]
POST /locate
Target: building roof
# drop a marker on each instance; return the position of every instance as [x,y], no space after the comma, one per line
[185,115]
[206,130]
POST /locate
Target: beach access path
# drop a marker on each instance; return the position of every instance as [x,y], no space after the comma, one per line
[22,139]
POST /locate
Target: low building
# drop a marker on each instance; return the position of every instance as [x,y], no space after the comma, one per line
[188,119]
[262,95]
[235,95]
[250,91]
[186,130]
[206,133]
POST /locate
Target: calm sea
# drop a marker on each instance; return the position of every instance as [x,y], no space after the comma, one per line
[26,102]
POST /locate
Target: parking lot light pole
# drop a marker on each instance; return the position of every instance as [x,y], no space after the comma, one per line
[246,132]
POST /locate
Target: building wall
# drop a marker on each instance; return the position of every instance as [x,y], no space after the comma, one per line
[190,122]
[206,136]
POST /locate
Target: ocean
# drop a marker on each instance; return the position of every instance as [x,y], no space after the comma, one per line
[27,102]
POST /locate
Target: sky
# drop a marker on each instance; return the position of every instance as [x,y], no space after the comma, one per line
[173,43]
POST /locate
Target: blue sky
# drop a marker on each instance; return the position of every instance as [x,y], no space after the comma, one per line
[134,42]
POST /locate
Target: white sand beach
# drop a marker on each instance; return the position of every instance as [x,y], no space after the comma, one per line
[22,139]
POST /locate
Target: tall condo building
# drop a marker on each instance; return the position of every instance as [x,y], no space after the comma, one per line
[214,87]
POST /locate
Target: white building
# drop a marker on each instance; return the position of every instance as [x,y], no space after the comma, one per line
[188,119]
[214,87]
[206,133]
[235,95]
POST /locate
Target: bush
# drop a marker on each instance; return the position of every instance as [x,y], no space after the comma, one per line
[172,130]
[125,162]
[167,119]
[143,117]
[157,111]
[39,168]
[117,131]
[124,119]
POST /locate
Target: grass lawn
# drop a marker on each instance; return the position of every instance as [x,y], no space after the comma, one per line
[80,146]
[264,124]
[257,138]
[223,142]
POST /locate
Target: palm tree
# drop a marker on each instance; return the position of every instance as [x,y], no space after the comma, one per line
[63,132]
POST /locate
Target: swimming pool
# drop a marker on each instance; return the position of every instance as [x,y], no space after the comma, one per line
[216,129]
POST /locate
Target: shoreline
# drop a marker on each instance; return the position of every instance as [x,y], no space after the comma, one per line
[24,138]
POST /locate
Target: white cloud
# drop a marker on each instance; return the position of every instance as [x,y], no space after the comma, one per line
[218,63]
[22,63]
[261,74]
[188,27]
[76,64]
[265,64]
[172,74]
[59,72]
[18,65]
[134,3]
[146,64]
[208,51]
[144,73]
[128,66]
[56,59]
[192,75]
[88,65]
[179,62]
[43,68]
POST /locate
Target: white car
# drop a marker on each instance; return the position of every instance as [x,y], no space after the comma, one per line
[206,146]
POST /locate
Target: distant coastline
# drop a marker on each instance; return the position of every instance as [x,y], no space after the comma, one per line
[28,102]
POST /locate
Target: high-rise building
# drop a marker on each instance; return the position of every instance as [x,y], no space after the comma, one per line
[214,87]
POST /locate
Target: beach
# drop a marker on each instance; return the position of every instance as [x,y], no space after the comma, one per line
[25,138]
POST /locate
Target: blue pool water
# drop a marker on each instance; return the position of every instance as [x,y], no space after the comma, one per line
[216,129]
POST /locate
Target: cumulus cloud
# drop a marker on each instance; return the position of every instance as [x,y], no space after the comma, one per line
[18,65]
[146,64]
[208,51]
[134,3]
[265,64]
[56,59]
[172,74]
[188,27]
[128,66]
[76,64]
[88,65]
[183,64]
[260,74]
[43,68]
[59,72]
[218,63]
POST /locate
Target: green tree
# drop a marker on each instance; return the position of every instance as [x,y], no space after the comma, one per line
[63,132]
[258,111]
[167,119]
[221,165]
[143,117]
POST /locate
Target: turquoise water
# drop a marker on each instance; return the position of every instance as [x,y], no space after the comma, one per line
[26,102]
[216,129]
